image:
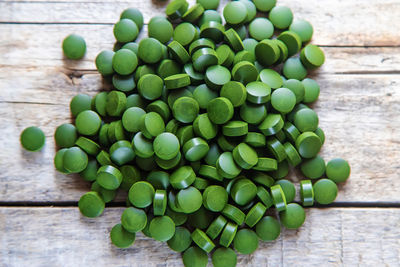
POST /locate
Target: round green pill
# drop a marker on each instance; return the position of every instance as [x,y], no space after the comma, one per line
[104,62]
[233,38]
[260,29]
[293,156]
[124,61]
[131,119]
[120,237]
[311,90]
[91,204]
[294,69]
[204,95]
[220,110]
[141,194]
[312,56]
[292,41]
[182,178]
[235,128]
[246,241]
[235,92]
[150,50]
[133,46]
[278,197]
[268,228]
[185,109]
[303,28]
[281,17]
[288,189]
[272,124]
[293,217]
[178,52]
[79,103]
[225,55]
[58,161]
[209,15]
[185,33]
[150,86]
[212,30]
[75,160]
[255,139]
[189,199]
[124,83]
[252,113]
[228,234]
[224,257]
[162,228]
[204,58]
[74,46]
[226,166]
[306,193]
[142,146]
[193,13]
[216,76]
[216,227]
[243,191]
[209,4]
[195,257]
[204,128]
[88,122]
[125,31]
[109,177]
[271,78]
[201,43]
[235,13]
[133,14]
[267,52]
[160,29]
[181,240]
[283,100]
[244,72]
[245,156]
[202,240]
[175,9]
[325,191]
[159,202]
[87,145]
[133,220]
[264,5]
[338,170]
[151,124]
[308,144]
[195,149]
[258,92]
[320,134]
[33,138]
[215,198]
[168,67]
[166,146]
[255,214]
[313,168]
[277,149]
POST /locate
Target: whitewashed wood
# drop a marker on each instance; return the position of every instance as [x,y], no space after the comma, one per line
[336,22]
[22,47]
[359,114]
[329,237]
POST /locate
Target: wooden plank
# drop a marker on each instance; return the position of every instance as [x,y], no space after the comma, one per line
[329,237]
[336,22]
[359,114]
[22,47]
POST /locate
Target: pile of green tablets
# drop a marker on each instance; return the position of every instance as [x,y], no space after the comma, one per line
[201,128]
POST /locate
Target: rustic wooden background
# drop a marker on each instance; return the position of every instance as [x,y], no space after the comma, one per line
[359,108]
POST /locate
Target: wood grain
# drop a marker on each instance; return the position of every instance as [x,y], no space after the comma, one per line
[359,114]
[336,22]
[22,47]
[329,237]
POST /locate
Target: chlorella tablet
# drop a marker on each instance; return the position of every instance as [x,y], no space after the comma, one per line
[133,14]
[260,29]
[246,241]
[150,50]
[160,29]
[181,240]
[313,168]
[125,31]
[32,138]
[235,13]
[281,17]
[91,204]
[141,194]
[303,28]
[150,86]
[75,160]
[338,170]
[74,46]
[195,257]
[224,257]
[325,191]
[162,228]
[283,100]
[268,228]
[124,61]
[293,217]
[79,103]
[220,110]
[120,237]
[133,220]
[264,5]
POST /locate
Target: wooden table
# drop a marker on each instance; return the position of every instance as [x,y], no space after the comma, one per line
[359,109]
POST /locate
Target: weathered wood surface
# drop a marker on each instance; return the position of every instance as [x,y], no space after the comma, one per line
[329,237]
[23,48]
[359,114]
[356,22]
